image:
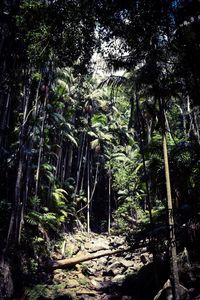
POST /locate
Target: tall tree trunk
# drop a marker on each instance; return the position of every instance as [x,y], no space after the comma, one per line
[84,168]
[172,238]
[93,190]
[88,193]
[167,126]
[4,122]
[141,145]
[183,114]
[130,124]
[41,145]
[59,164]
[109,199]
[69,161]
[147,203]
[15,225]
[81,152]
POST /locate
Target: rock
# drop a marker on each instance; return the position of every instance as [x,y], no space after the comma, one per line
[129,256]
[118,271]
[81,276]
[143,259]
[116,268]
[111,260]
[143,250]
[59,276]
[82,253]
[138,266]
[56,256]
[108,273]
[114,265]
[78,268]
[127,263]
[65,297]
[150,256]
[86,292]
[118,241]
[103,261]
[71,249]
[88,245]
[118,279]
[100,246]
[90,271]
[166,292]
[72,283]
[130,271]
[96,284]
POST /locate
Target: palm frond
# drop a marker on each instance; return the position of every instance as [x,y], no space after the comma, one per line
[114,81]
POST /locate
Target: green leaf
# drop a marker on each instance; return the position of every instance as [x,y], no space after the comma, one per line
[62,191]
[71,138]
[120,157]
[98,120]
[94,143]
[93,134]
[105,136]
[64,213]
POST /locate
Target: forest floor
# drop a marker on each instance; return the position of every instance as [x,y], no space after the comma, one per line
[126,275]
[100,278]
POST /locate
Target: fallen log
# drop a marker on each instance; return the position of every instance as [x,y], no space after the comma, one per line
[69,262]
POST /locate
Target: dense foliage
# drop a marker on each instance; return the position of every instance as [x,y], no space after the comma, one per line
[80,150]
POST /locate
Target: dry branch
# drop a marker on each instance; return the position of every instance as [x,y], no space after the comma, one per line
[68,262]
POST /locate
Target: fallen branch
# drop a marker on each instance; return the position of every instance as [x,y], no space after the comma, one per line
[68,262]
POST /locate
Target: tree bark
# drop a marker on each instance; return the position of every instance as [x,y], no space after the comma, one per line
[80,159]
[88,193]
[41,143]
[4,122]
[68,262]
[172,239]
[93,190]
[15,225]
[109,199]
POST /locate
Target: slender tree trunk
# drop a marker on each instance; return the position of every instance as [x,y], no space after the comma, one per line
[41,143]
[84,167]
[130,124]
[64,166]
[196,126]
[4,122]
[25,192]
[149,131]
[172,238]
[109,199]
[88,193]
[69,161]
[80,164]
[36,98]
[167,126]
[58,171]
[15,225]
[147,185]
[183,114]
[141,144]
[95,181]
[93,190]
